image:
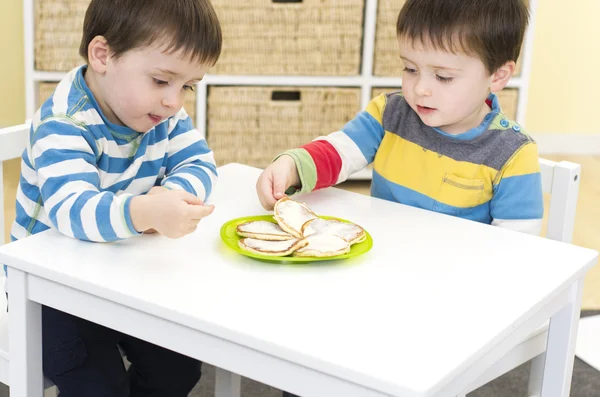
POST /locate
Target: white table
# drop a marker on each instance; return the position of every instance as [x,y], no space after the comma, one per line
[435,303]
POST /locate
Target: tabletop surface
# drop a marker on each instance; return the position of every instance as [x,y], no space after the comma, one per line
[433,294]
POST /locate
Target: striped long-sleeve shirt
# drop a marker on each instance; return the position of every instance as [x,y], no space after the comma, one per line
[79,171]
[489,174]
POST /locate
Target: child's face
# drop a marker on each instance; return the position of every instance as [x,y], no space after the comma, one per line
[446,90]
[146,86]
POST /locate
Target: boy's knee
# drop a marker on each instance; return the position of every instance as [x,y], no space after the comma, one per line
[187,372]
[174,376]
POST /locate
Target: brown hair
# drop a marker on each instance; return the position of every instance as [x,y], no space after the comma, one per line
[188,25]
[491,29]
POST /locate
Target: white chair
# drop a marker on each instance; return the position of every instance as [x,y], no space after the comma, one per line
[12,144]
[560,179]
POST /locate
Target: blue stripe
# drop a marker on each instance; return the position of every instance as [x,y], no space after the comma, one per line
[149,168]
[52,185]
[384,189]
[75,214]
[210,166]
[127,212]
[23,220]
[53,156]
[21,216]
[201,175]
[184,183]
[122,185]
[118,165]
[183,127]
[366,132]
[30,191]
[46,108]
[54,210]
[25,159]
[195,149]
[518,197]
[39,227]
[103,217]
[53,127]
[113,165]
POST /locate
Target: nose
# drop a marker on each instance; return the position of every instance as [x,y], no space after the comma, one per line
[172,99]
[422,88]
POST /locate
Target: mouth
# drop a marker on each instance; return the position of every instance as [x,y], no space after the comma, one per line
[425,109]
[154,118]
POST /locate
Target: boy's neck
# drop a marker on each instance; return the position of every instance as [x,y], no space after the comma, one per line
[91,79]
[472,121]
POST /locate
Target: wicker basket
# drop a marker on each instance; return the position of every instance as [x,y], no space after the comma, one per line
[508,97]
[45,89]
[310,37]
[251,125]
[58,31]
[386,61]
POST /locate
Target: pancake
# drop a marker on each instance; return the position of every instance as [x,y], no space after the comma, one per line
[292,215]
[323,246]
[271,248]
[262,230]
[350,232]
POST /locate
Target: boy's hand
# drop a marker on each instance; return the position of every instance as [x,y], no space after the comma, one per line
[275,180]
[155,190]
[173,213]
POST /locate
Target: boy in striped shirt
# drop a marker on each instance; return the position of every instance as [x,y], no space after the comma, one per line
[111,155]
[443,143]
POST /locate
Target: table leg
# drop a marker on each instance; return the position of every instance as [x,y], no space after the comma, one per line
[25,339]
[560,350]
[227,384]
[536,374]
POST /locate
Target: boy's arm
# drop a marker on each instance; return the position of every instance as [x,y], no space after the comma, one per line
[518,202]
[64,157]
[330,160]
[191,164]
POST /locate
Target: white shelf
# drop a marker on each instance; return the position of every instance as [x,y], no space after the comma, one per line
[48,76]
[260,80]
[366,81]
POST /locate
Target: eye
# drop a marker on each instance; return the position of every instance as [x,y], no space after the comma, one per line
[409,70]
[160,82]
[443,79]
[188,88]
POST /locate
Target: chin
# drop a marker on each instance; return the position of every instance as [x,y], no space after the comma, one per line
[429,123]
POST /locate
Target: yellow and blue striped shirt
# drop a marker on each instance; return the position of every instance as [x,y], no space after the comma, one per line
[489,174]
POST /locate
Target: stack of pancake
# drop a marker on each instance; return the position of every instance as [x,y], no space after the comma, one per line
[298,232]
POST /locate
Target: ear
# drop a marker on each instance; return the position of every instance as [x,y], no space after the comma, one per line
[501,76]
[98,54]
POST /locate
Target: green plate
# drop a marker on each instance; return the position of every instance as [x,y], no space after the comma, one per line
[231,238]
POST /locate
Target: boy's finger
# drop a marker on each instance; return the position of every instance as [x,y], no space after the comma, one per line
[190,198]
[268,203]
[278,187]
[201,211]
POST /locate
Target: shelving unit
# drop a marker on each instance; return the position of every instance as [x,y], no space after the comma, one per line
[365,80]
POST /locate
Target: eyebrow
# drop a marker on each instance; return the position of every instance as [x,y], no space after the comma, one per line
[432,66]
[167,71]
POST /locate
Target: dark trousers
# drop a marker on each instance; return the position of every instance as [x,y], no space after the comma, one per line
[83,360]
[286,394]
